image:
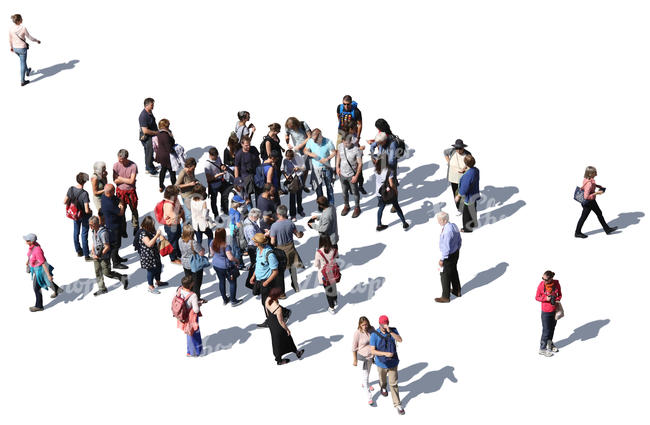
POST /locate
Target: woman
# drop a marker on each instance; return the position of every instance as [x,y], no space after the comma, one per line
[172,216]
[271,142]
[549,294]
[191,326]
[385,182]
[456,167]
[589,186]
[40,271]
[17,35]
[166,144]
[241,129]
[293,167]
[230,151]
[77,196]
[236,226]
[185,183]
[300,133]
[224,264]
[325,254]
[361,352]
[468,191]
[272,171]
[149,253]
[280,333]
[189,248]
[201,215]
[98,181]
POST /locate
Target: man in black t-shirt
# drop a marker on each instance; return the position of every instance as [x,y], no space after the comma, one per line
[349,116]
[148,129]
[246,161]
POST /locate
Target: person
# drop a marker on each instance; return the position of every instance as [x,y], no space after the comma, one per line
[272,170]
[251,228]
[321,150]
[455,157]
[246,161]
[101,251]
[235,227]
[383,347]
[450,242]
[223,264]
[148,129]
[191,326]
[173,214]
[148,238]
[361,352]
[348,168]
[186,183]
[280,334]
[215,174]
[18,44]
[165,142]
[292,168]
[200,215]
[300,133]
[124,175]
[589,186]
[348,115]
[188,247]
[98,181]
[326,224]
[326,254]
[266,199]
[385,178]
[549,293]
[231,150]
[468,193]
[40,270]
[79,197]
[113,210]
[241,129]
[266,269]
[282,233]
[271,142]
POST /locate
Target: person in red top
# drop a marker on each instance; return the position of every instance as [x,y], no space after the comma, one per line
[589,186]
[549,294]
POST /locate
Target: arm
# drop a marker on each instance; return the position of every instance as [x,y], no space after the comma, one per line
[107,248]
[231,257]
[304,142]
[87,207]
[310,153]
[338,162]
[66,200]
[150,242]
[278,314]
[273,240]
[28,35]
[194,302]
[445,239]
[559,292]
[298,234]
[148,132]
[267,147]
[539,296]
[269,175]
[359,168]
[374,352]
[395,336]
[359,127]
[271,278]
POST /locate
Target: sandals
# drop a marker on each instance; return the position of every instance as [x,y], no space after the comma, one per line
[283,361]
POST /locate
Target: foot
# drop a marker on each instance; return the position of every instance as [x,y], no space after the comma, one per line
[456,293]
[345,210]
[235,303]
[24,83]
[393,210]
[301,213]
[283,361]
[384,392]
[54,294]
[362,190]
[122,260]
[299,353]
[400,410]
[88,259]
[381,227]
[405,226]
[331,310]
[100,292]
[59,290]
[226,301]
[29,71]
[282,297]
[611,230]
[294,219]
[442,300]
[459,213]
[550,346]
[264,324]
[370,388]
[177,262]
[125,281]
[120,266]
[545,352]
[161,190]
[305,190]
[80,254]
[370,402]
[33,309]
[581,235]
[154,291]
[159,284]
[356,212]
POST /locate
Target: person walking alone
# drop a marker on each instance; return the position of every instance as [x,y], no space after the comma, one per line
[18,44]
[589,186]
[549,293]
[40,271]
[450,242]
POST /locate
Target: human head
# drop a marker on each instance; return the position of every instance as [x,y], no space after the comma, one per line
[243,116]
[275,157]
[190,164]
[469,161]
[325,243]
[123,156]
[188,232]
[267,187]
[322,202]
[148,224]
[30,238]
[274,128]
[233,143]
[292,123]
[382,125]
[383,320]
[213,152]
[316,135]
[93,222]
[148,104]
[171,192]
[254,214]
[99,168]
[347,102]
[459,145]
[219,239]
[17,19]
[236,202]
[82,178]
[443,218]
[109,190]
[590,172]
[260,239]
[187,281]
[548,276]
[199,192]
[289,154]
[246,143]
[363,320]
[281,211]
[163,124]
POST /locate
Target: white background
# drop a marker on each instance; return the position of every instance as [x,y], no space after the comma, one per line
[537,90]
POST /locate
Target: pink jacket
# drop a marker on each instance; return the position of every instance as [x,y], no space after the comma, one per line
[35,255]
[589,186]
[541,295]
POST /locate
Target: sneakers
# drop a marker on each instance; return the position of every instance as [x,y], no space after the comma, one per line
[29,71]
[356,212]
[393,210]
[300,352]
[101,292]
[125,281]
[611,230]
[301,213]
[235,303]
[226,301]
[381,227]
[33,309]
[120,267]
[88,259]
[580,235]
[345,210]
[24,83]
[545,352]
[551,347]
[56,292]
[80,254]
[283,361]
[331,310]
[400,410]
[362,190]
[384,392]
[154,291]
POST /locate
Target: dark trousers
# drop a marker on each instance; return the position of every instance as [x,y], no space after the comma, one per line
[163,173]
[153,273]
[39,295]
[295,203]
[197,278]
[470,216]
[173,235]
[223,189]
[264,294]
[454,190]
[587,208]
[449,275]
[115,241]
[382,205]
[252,256]
[223,277]
[331,294]
[147,144]
[548,329]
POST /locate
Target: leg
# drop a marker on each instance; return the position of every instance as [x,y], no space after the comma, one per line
[115,242]
[197,344]
[345,189]
[473,215]
[106,271]
[75,236]
[546,329]
[225,190]
[161,177]
[551,328]
[382,377]
[39,295]
[392,382]
[299,202]
[221,275]
[327,177]
[599,214]
[188,212]
[365,374]
[84,236]
[400,214]
[198,281]
[294,279]
[380,210]
[148,155]
[355,192]
[454,189]
[586,209]
[233,289]
[22,55]
[99,275]
[445,278]
[292,204]
[213,200]
[156,273]
[150,276]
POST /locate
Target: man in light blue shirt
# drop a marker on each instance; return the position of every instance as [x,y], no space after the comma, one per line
[266,269]
[321,150]
[450,243]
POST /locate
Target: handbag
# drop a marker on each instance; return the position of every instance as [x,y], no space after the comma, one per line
[23,40]
[198,262]
[165,247]
[232,271]
[257,287]
[294,184]
[559,311]
[387,196]
[579,195]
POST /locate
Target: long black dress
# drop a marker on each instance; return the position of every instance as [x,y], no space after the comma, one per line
[282,343]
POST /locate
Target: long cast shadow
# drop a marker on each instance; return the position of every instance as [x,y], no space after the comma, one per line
[584,333]
[422,215]
[54,69]
[622,221]
[225,339]
[485,277]
[495,196]
[499,214]
[318,344]
[430,382]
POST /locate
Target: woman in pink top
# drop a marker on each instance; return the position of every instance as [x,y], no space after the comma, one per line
[361,351]
[18,44]
[40,270]
[549,294]
[589,186]
[191,326]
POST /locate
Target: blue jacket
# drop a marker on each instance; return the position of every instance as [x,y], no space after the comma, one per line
[111,212]
[468,185]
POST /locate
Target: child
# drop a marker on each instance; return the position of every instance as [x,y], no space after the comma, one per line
[191,326]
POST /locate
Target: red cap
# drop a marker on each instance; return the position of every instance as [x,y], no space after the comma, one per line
[383,320]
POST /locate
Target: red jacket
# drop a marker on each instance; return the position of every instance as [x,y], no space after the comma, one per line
[541,295]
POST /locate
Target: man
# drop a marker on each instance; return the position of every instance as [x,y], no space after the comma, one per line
[321,150]
[348,115]
[455,157]
[148,129]
[266,199]
[326,224]
[450,243]
[101,257]
[251,228]
[215,173]
[113,211]
[124,173]
[383,347]
[348,168]
[246,161]
[266,269]
[79,197]
[282,233]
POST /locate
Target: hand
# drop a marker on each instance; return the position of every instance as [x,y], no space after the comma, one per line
[323,161]
[11,49]
[389,355]
[457,198]
[158,232]
[354,363]
[440,263]
[265,284]
[95,257]
[354,179]
[288,332]
[251,128]
[252,281]
[301,234]
[600,192]
[38,41]
[548,298]
[202,252]
[370,142]
[290,146]
[338,171]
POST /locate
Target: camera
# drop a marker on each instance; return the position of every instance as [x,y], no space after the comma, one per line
[552,299]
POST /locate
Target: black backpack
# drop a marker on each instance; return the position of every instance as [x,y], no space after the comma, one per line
[281,257]
[401,145]
[136,241]
[387,344]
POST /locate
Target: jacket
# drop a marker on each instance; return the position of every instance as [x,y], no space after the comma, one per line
[468,185]
[327,225]
[541,295]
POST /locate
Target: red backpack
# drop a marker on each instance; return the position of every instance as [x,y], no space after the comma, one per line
[331,271]
[180,310]
[158,211]
[72,211]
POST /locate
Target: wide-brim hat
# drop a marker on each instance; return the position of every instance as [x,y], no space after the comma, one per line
[459,144]
[260,238]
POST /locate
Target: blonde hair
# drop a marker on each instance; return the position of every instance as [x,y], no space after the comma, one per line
[164,123]
[590,172]
[188,232]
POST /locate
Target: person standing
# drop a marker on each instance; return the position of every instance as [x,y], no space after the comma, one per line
[468,194]
[266,270]
[348,115]
[79,197]
[293,168]
[148,238]
[280,334]
[215,174]
[589,186]
[348,168]
[165,141]
[455,157]
[450,242]
[326,254]
[383,346]
[18,44]
[40,270]
[191,326]
[231,150]
[549,293]
[241,129]
[266,199]
[361,352]
[172,216]
[148,129]
[282,233]
[271,142]
[124,175]
[224,264]
[113,211]
[300,133]
[200,215]
[321,150]
[251,228]
[101,250]
[326,224]
[98,181]
[246,161]
[386,186]
[188,247]
[186,183]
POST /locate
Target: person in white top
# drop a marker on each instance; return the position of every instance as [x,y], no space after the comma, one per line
[455,157]
[18,44]
[327,253]
[201,220]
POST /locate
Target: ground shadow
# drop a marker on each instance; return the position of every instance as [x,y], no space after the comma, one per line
[622,221]
[485,277]
[318,344]
[500,213]
[360,256]
[430,382]
[404,375]
[495,196]
[54,69]
[226,338]
[422,215]
[584,333]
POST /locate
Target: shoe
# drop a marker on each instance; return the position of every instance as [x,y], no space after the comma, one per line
[544,352]
[442,300]
[381,227]
[120,267]
[282,297]
[264,324]
[370,388]
[306,190]
[33,309]
[384,392]
[611,230]
[154,291]
[283,361]
[551,347]
[88,259]
[80,254]
[370,402]
[300,352]
[345,210]
[59,290]
[301,213]
[226,301]
[581,235]
[24,83]
[456,294]
[393,210]
[162,284]
[235,303]
[125,281]
[162,189]
[100,292]
[459,213]
[405,226]
[356,212]
[400,410]
[331,310]
[177,262]
[121,260]
[294,219]
[362,190]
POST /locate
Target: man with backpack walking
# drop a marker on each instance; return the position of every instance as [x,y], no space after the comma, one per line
[101,252]
[267,269]
[383,347]
[348,115]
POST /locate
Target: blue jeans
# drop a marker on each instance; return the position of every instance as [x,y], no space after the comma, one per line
[22,54]
[173,235]
[199,237]
[194,343]
[221,275]
[380,210]
[548,328]
[81,225]
[152,274]
[188,212]
[327,181]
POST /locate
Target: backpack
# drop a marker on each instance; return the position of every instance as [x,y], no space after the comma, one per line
[346,117]
[260,177]
[387,196]
[331,271]
[180,310]
[387,344]
[240,237]
[281,257]
[401,146]
[136,241]
[72,210]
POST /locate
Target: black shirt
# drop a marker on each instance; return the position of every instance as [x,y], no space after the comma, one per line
[275,146]
[247,161]
[264,204]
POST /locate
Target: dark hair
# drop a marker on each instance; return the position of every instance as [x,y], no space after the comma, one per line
[148,101]
[164,123]
[347,98]
[187,281]
[383,126]
[199,191]
[292,122]
[290,153]
[549,273]
[267,187]
[190,162]
[233,143]
[219,239]
[170,192]
[16,18]
[82,178]
[275,154]
[147,224]
[213,151]
[322,201]
[325,243]
[469,161]
[275,127]
[241,115]
[274,294]
[245,138]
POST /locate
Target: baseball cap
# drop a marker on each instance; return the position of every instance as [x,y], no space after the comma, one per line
[383,320]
